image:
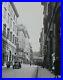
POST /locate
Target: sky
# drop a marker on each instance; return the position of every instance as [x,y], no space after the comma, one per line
[31,16]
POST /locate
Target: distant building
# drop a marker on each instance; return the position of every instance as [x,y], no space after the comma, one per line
[31,53]
[9,31]
[21,41]
[37,60]
[36,53]
[23,47]
[41,40]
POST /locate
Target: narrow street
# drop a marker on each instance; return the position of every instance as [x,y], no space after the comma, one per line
[27,71]
[44,73]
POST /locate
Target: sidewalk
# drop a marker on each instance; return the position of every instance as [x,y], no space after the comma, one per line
[44,73]
[4,67]
[26,71]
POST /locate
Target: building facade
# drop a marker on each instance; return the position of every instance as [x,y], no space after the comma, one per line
[24,47]
[51,33]
[9,31]
[41,40]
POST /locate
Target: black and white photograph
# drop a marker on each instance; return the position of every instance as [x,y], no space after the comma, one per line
[31,39]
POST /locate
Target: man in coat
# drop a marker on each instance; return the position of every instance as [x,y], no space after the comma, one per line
[57,67]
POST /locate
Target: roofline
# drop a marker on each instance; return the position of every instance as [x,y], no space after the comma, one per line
[14,8]
[24,30]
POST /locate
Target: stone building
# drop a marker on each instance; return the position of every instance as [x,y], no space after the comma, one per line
[9,31]
[23,47]
[51,32]
[41,40]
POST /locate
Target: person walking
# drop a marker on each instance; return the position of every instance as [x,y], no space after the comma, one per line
[57,67]
[30,63]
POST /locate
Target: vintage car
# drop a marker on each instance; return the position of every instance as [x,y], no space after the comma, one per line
[8,64]
[17,65]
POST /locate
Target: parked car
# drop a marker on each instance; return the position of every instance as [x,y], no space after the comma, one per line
[8,64]
[17,65]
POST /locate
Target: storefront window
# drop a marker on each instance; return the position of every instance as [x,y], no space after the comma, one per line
[10,23]
[11,36]
[4,12]
[8,33]
[4,30]
[8,19]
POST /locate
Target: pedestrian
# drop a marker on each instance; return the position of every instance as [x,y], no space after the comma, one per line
[43,64]
[57,67]
[30,63]
[19,65]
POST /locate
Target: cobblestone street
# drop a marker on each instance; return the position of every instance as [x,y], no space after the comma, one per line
[27,71]
[44,73]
